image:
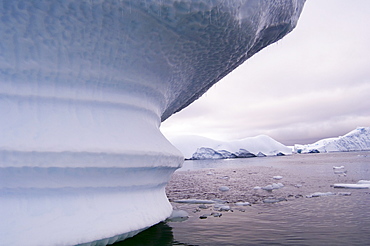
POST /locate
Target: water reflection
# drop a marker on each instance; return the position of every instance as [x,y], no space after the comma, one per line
[157,235]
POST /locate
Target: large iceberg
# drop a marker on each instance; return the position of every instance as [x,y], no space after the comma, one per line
[201,148]
[84,86]
[356,140]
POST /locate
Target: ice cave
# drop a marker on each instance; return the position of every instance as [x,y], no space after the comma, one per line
[84,86]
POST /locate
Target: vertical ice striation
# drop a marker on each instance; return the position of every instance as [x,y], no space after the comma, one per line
[84,85]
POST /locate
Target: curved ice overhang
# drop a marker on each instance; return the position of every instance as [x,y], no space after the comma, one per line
[84,86]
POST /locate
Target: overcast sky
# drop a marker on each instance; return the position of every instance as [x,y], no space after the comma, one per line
[312,84]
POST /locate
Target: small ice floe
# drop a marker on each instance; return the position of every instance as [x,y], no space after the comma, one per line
[225,177]
[341,173]
[277,177]
[257,188]
[210,173]
[178,216]
[203,206]
[352,186]
[214,214]
[194,201]
[277,186]
[338,167]
[319,194]
[219,201]
[344,193]
[242,204]
[363,182]
[268,188]
[273,200]
[273,186]
[340,170]
[222,207]
[224,188]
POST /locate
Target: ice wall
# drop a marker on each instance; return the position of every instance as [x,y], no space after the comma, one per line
[84,85]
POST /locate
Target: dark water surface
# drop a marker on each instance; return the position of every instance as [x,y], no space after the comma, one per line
[337,219]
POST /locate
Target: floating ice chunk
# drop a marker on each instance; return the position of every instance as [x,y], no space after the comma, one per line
[318,194]
[223,208]
[352,186]
[277,185]
[363,182]
[203,206]
[273,200]
[273,186]
[341,172]
[344,193]
[257,188]
[338,167]
[178,215]
[214,214]
[268,187]
[195,201]
[219,201]
[224,188]
[277,177]
[210,173]
[242,204]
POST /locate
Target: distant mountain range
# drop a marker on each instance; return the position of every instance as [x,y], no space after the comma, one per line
[201,148]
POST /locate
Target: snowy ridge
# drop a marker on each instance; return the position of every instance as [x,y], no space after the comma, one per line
[356,140]
[195,147]
[84,86]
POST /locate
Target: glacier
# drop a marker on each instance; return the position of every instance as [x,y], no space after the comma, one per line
[201,148]
[84,87]
[355,140]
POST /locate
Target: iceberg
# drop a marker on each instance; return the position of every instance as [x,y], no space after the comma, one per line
[202,148]
[84,87]
[356,140]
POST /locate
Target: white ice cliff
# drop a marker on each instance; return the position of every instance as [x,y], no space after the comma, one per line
[356,140]
[84,85]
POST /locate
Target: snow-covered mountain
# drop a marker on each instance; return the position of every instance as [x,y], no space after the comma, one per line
[358,139]
[198,148]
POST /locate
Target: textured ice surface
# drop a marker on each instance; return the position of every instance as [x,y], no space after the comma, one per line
[84,86]
[196,147]
[358,139]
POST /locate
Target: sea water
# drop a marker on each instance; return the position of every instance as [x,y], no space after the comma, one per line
[285,215]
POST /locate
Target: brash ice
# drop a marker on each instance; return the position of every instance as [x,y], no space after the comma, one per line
[84,85]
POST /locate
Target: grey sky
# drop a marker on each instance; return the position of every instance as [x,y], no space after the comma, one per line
[312,84]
